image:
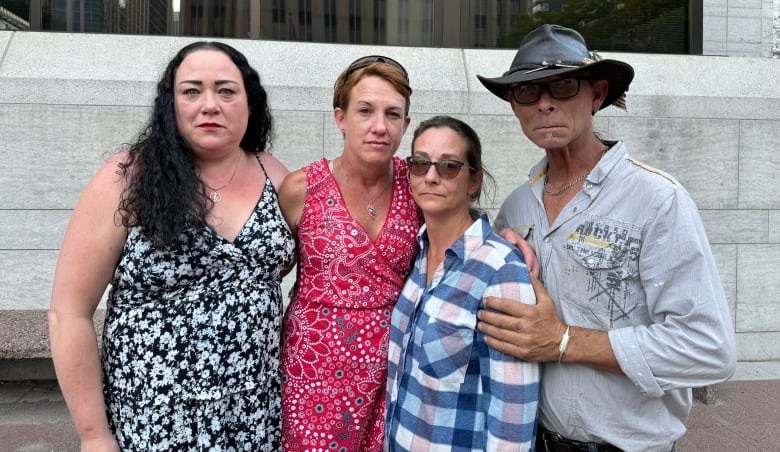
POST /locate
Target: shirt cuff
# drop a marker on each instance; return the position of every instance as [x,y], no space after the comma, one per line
[629,356]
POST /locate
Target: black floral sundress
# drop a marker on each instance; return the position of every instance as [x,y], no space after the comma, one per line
[190,352]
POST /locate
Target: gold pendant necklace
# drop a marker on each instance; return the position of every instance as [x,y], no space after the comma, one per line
[214,195]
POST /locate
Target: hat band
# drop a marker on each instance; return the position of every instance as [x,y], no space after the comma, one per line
[593,56]
[542,66]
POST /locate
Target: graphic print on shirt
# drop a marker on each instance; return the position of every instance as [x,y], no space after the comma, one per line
[604,259]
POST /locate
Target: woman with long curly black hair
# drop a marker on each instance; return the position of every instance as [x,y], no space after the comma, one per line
[185,227]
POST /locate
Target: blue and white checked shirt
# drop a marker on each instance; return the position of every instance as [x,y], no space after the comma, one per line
[446,389]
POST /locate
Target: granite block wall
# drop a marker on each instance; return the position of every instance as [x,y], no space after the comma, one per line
[69,100]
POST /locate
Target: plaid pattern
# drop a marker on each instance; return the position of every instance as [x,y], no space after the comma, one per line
[446,389]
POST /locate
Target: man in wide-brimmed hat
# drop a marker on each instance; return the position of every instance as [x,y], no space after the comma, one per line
[632,313]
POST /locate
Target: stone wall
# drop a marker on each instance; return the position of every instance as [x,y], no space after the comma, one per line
[776,29]
[69,100]
[739,27]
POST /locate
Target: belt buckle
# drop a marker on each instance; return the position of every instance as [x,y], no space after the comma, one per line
[554,439]
[560,443]
[545,436]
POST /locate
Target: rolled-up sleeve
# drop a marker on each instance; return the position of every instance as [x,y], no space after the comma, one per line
[691,341]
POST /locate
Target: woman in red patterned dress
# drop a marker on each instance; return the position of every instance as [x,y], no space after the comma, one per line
[356,224]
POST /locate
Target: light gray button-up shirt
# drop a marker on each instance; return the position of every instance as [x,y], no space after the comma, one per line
[629,255]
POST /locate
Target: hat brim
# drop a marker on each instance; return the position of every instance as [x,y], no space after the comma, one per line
[617,73]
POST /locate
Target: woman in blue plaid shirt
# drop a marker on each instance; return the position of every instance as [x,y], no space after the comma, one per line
[447,390]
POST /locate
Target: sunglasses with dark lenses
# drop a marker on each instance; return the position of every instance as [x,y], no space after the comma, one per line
[448,169]
[558,89]
[366,61]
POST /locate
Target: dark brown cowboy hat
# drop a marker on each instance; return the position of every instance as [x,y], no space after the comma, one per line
[555,50]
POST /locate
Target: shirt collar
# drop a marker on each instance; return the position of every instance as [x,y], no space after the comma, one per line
[614,154]
[467,243]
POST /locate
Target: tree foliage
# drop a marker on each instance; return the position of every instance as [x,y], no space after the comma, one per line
[647,26]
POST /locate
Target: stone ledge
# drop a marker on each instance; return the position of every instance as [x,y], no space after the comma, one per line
[24,334]
[32,369]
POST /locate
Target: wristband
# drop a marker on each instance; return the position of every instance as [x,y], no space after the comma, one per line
[564,343]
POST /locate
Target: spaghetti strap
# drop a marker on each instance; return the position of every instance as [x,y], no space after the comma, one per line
[268,182]
[257,156]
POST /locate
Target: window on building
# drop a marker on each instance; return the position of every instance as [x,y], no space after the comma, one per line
[380,22]
[480,23]
[427,23]
[651,26]
[331,23]
[304,21]
[278,20]
[355,24]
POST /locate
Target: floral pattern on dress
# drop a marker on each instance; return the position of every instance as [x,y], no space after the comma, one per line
[334,353]
[190,353]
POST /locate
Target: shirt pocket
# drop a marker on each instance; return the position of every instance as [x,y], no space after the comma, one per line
[602,275]
[446,351]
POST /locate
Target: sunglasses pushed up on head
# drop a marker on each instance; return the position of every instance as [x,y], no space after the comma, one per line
[366,61]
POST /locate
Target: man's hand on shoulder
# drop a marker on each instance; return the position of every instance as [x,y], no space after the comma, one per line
[529,332]
[525,249]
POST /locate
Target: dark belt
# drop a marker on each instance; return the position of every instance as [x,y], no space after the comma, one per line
[553,442]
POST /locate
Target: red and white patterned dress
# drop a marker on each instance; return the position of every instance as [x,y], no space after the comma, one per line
[334,347]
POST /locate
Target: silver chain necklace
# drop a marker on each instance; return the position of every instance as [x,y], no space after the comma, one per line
[568,185]
[565,187]
[370,207]
[370,204]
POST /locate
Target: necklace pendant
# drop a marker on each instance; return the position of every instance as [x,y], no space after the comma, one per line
[215,197]
[371,210]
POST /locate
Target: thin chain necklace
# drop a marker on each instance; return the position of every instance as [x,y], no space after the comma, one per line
[565,187]
[568,185]
[370,204]
[214,195]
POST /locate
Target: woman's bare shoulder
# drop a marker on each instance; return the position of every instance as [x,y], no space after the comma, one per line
[294,184]
[292,195]
[275,169]
[112,174]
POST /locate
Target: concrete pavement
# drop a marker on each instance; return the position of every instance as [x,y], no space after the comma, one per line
[745,417]
[34,418]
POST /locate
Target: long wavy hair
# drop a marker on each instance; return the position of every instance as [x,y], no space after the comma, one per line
[164,192]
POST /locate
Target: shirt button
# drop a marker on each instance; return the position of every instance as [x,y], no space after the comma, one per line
[547,240]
